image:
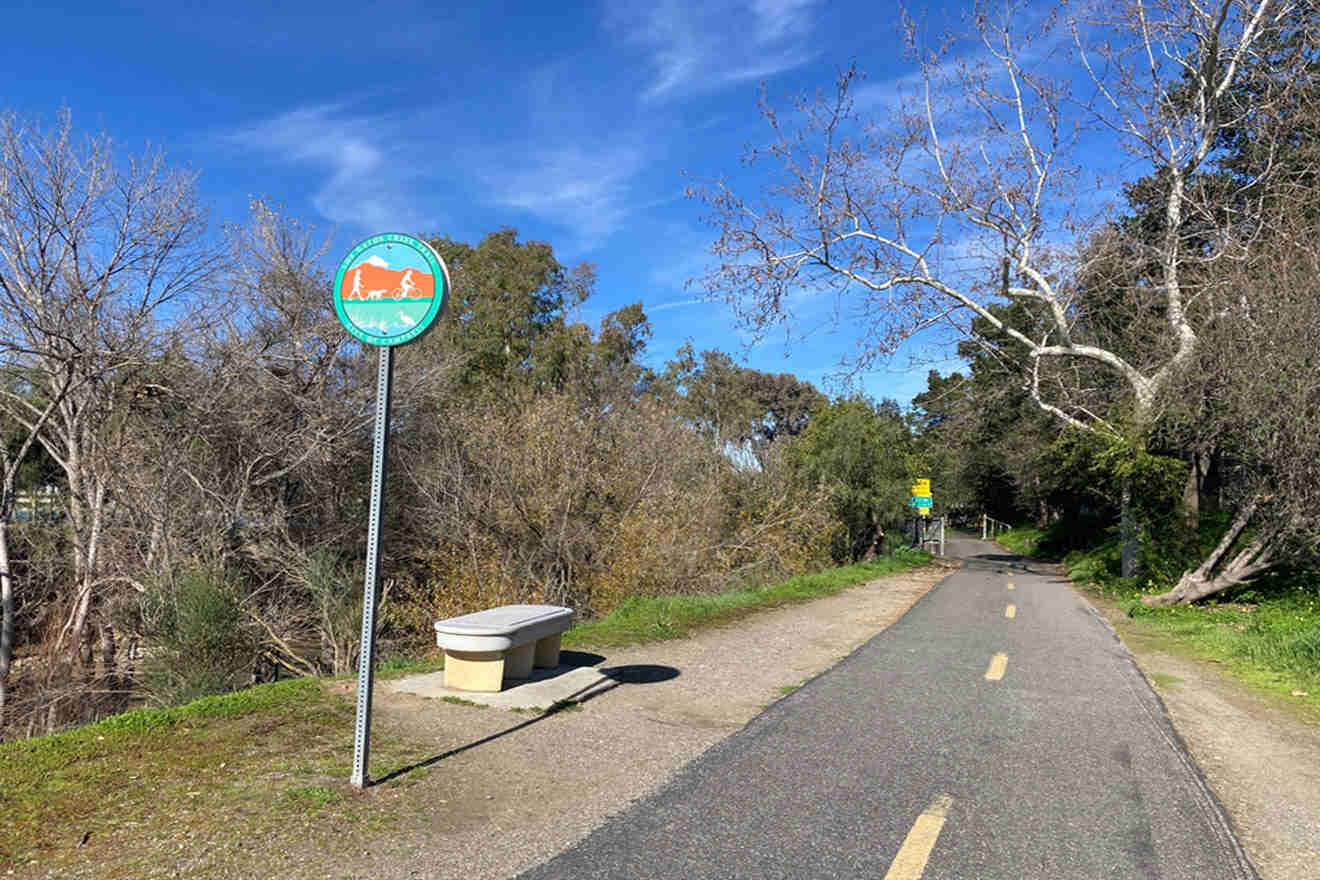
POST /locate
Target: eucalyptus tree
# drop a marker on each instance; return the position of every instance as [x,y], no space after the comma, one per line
[863,452]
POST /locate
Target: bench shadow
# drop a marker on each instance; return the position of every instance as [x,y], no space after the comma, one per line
[579,658]
[640,673]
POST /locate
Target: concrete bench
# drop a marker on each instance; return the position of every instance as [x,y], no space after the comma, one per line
[483,649]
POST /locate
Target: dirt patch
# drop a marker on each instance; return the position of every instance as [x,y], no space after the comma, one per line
[1261,758]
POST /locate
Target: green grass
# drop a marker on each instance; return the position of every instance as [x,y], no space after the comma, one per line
[1267,634]
[399,667]
[640,620]
[1022,540]
[313,797]
[1163,681]
[1055,542]
[268,763]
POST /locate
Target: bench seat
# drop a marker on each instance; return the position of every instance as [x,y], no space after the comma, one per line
[487,647]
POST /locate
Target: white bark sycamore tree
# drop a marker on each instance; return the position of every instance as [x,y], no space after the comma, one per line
[960,197]
[100,257]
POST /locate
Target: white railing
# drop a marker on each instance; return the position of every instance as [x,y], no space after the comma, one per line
[991,528]
[934,536]
[928,534]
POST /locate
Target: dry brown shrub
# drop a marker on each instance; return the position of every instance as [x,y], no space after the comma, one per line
[556,500]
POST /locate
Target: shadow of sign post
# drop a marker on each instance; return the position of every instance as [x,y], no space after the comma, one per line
[634,674]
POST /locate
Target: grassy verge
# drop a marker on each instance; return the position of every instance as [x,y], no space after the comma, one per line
[199,781]
[216,786]
[640,620]
[400,667]
[1023,540]
[1267,634]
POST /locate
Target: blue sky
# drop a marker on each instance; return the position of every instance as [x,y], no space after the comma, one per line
[579,125]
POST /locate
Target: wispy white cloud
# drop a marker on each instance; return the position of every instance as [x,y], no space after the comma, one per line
[583,189]
[370,179]
[698,46]
[889,95]
[379,171]
[678,304]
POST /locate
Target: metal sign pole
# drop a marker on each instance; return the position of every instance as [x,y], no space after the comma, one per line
[371,583]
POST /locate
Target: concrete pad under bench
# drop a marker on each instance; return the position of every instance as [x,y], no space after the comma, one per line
[487,647]
[545,689]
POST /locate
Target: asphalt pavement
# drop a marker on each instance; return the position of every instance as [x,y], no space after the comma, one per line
[961,742]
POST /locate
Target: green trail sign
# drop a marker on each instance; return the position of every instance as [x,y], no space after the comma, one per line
[390,289]
[919,501]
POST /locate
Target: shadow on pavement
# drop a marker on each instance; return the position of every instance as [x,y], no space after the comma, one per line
[641,673]
[1004,563]
[579,658]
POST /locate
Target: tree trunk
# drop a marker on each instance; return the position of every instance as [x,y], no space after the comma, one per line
[877,541]
[1248,562]
[1042,506]
[1191,494]
[1128,537]
[7,623]
[1196,488]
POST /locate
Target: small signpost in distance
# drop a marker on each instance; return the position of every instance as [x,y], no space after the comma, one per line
[388,291]
[921,497]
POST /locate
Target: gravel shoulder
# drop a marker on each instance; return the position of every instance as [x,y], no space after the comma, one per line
[1261,759]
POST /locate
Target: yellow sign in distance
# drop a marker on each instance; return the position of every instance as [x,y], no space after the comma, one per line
[921,490]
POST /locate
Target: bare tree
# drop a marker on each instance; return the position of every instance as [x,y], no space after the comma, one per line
[970,195]
[101,257]
[10,463]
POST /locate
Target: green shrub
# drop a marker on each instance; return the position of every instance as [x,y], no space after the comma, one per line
[199,639]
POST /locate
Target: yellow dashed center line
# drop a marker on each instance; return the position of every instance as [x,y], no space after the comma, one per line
[915,851]
[998,664]
[1010,611]
[1010,585]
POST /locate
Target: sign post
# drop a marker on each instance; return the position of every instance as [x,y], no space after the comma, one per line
[371,582]
[389,290]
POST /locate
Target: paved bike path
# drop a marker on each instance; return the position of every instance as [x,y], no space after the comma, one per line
[1064,767]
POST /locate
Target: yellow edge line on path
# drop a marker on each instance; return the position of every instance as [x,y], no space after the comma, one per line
[1010,611]
[915,851]
[998,664]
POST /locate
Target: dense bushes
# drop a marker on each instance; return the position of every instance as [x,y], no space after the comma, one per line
[532,459]
[555,501]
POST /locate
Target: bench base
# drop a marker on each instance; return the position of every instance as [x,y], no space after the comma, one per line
[485,671]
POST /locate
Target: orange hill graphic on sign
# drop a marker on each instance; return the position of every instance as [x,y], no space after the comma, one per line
[368,282]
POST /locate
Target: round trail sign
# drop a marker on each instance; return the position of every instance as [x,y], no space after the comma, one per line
[390,289]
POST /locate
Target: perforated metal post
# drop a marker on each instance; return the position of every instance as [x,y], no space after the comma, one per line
[371,582]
